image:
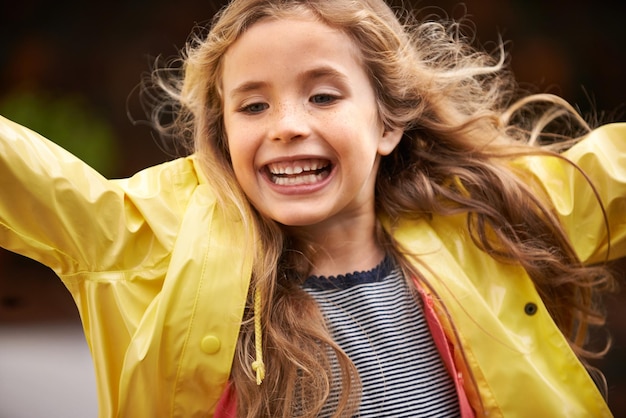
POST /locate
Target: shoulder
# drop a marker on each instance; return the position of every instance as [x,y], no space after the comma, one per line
[176,179]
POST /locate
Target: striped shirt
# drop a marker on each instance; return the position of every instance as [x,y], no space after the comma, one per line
[377,320]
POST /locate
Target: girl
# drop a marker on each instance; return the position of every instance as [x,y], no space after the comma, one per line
[364,228]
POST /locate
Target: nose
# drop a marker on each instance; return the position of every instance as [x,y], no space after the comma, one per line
[290,121]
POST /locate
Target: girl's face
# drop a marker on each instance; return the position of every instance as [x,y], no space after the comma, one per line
[302,124]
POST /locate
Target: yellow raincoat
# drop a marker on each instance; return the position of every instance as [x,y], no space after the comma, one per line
[160,277]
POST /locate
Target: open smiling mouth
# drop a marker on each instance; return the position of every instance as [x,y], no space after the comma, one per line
[297,173]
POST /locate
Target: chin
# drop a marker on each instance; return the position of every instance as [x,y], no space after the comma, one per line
[297,221]
[294,223]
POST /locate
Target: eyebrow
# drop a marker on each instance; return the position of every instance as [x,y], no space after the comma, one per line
[316,73]
[323,72]
[248,87]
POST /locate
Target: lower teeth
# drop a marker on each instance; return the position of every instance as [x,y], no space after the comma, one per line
[298,180]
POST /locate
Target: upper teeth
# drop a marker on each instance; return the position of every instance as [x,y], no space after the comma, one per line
[296,167]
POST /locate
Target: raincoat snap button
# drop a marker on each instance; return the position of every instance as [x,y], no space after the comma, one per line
[530,308]
[210,344]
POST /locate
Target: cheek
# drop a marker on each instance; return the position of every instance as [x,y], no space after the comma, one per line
[237,157]
[241,150]
[232,140]
[242,155]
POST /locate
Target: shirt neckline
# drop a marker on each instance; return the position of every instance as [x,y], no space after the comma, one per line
[345,281]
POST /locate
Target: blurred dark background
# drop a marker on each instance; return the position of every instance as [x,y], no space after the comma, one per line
[69,69]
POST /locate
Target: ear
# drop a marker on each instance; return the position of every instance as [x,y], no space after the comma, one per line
[389,141]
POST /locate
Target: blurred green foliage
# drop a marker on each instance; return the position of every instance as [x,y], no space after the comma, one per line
[69,121]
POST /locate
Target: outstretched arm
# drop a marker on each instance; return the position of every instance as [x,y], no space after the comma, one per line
[47,199]
[56,209]
[602,157]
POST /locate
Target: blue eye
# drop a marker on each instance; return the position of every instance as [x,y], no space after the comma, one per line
[254,108]
[322,99]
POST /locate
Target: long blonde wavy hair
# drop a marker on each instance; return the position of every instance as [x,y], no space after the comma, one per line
[463,123]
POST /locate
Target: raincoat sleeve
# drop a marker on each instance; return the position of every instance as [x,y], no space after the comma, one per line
[57,210]
[590,195]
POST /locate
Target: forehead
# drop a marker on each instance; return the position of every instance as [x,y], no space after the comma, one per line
[284,45]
